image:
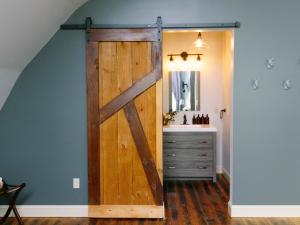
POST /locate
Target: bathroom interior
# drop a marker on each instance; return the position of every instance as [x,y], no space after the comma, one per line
[197,104]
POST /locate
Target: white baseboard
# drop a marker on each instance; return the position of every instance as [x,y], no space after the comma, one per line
[226,174]
[264,210]
[49,210]
[219,169]
[82,210]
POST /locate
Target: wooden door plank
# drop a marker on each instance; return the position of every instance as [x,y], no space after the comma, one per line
[93,123]
[142,60]
[144,152]
[109,129]
[126,145]
[141,65]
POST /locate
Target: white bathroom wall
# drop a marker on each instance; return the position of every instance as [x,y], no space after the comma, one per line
[228,47]
[211,81]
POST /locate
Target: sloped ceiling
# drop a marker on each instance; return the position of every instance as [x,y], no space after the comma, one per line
[26,26]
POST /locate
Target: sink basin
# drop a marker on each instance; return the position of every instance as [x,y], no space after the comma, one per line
[185,125]
[189,128]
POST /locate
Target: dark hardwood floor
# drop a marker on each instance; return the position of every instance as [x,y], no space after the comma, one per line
[187,203]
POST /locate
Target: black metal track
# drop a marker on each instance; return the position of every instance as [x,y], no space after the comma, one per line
[89,25]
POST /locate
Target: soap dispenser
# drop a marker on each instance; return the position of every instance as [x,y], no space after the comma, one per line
[202,119]
[198,119]
[184,120]
[207,119]
[194,120]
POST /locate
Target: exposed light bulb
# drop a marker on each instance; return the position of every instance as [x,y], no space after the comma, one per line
[199,42]
[198,58]
[184,65]
[171,63]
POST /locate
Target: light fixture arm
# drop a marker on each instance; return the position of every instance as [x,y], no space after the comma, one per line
[184,55]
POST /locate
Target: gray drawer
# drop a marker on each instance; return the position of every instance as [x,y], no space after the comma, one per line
[200,169]
[171,155]
[187,140]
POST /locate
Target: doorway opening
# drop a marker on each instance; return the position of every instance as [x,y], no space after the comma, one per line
[198,84]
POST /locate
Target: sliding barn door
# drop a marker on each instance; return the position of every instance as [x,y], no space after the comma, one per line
[124,123]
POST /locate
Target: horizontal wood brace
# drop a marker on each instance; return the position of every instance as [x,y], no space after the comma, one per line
[111,35]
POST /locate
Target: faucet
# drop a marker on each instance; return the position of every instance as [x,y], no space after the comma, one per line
[184,120]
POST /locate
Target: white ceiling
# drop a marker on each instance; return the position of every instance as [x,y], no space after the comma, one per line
[26,26]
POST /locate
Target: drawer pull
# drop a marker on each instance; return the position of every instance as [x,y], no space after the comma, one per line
[171,141]
[203,155]
[173,155]
[172,167]
[202,167]
[203,142]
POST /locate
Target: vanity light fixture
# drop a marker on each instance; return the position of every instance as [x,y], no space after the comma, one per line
[184,56]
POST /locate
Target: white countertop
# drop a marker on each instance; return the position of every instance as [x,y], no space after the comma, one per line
[189,128]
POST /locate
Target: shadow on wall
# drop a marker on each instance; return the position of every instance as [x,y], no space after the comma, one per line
[43,124]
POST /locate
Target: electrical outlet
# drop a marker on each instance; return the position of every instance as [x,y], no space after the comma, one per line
[76,183]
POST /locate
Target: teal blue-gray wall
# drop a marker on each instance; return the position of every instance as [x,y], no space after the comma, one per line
[43,123]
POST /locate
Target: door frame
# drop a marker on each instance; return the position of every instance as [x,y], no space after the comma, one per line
[225,27]
[92,87]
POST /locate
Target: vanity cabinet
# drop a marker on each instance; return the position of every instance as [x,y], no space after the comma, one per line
[189,155]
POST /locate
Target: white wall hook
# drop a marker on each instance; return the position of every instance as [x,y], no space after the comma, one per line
[254,84]
[287,84]
[270,63]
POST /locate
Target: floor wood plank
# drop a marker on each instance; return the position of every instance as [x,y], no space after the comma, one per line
[187,203]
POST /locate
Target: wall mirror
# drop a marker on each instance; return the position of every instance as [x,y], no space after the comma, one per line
[184,91]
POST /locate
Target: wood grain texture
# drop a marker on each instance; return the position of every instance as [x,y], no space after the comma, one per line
[132,92]
[128,65]
[127,211]
[123,65]
[108,129]
[93,121]
[144,152]
[112,35]
[141,66]
[146,71]
[186,203]
[189,155]
[125,143]
[159,129]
